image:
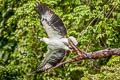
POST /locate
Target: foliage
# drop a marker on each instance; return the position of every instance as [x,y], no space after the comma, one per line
[95,24]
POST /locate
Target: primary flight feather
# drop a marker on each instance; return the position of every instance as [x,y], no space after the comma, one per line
[51,22]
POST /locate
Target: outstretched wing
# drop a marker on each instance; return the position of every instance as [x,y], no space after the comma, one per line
[51,22]
[51,59]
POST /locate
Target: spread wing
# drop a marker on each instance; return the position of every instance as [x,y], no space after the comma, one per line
[51,22]
[51,59]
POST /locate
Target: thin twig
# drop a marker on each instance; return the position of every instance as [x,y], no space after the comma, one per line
[110,11]
[88,46]
[84,31]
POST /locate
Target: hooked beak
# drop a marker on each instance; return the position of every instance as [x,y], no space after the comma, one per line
[41,39]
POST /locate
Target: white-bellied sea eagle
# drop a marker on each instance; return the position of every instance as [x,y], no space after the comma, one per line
[56,41]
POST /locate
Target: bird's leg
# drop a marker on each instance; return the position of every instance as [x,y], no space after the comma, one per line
[71,50]
[68,46]
[77,50]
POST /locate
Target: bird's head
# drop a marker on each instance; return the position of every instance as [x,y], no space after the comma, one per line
[46,40]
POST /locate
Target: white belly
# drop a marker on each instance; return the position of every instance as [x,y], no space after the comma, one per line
[57,44]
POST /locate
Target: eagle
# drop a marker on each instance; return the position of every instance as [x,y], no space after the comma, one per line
[56,41]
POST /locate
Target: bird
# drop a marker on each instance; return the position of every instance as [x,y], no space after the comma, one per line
[57,42]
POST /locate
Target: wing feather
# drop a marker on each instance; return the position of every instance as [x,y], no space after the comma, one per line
[52,58]
[51,22]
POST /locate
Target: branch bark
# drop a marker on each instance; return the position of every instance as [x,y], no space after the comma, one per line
[91,55]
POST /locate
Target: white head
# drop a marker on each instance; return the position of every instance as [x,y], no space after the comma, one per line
[46,40]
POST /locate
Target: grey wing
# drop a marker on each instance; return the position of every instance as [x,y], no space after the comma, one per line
[51,22]
[51,59]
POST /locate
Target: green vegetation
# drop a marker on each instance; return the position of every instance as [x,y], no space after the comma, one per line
[95,24]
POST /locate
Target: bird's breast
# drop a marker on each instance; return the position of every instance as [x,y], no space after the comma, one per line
[56,44]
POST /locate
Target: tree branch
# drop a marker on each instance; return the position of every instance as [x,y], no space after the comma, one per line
[91,55]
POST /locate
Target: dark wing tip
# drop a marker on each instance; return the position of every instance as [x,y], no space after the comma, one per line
[34,73]
[30,74]
[40,8]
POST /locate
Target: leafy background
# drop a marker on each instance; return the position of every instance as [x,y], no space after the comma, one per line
[95,24]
